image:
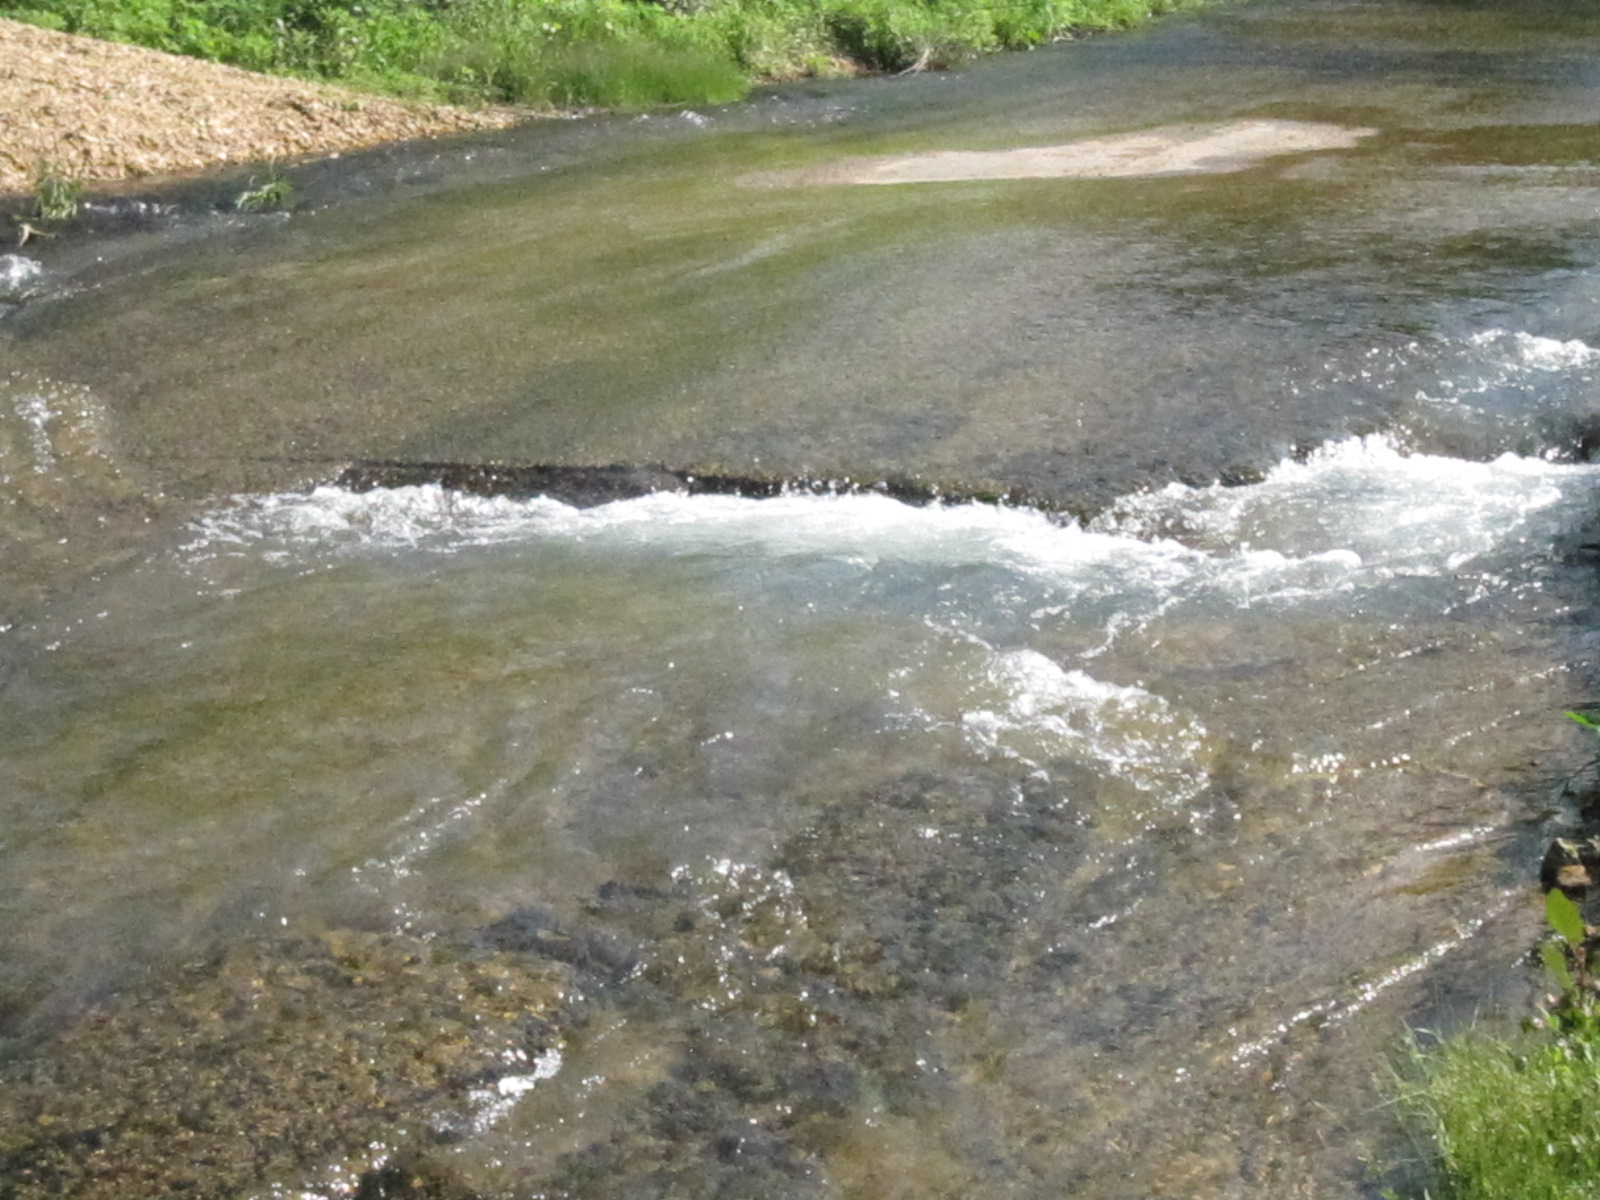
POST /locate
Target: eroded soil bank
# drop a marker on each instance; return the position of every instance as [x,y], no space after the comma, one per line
[99,111]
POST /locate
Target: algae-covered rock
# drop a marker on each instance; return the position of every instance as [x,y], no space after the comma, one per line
[331,1063]
[788,1029]
[812,1001]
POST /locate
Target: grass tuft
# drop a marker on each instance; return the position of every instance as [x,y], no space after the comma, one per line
[56,195]
[272,194]
[1519,1118]
[1511,1119]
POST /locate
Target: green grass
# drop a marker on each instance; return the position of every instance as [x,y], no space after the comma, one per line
[272,194]
[615,53]
[1518,1118]
[1511,1119]
[55,195]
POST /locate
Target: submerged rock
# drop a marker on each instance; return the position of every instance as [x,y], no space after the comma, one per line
[817,1007]
[333,1063]
[1571,865]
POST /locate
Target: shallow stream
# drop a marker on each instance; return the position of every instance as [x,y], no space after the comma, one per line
[1101,843]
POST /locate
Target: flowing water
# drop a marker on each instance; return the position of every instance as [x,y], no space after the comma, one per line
[1101,843]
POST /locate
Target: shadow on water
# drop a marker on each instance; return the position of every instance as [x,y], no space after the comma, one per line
[521,658]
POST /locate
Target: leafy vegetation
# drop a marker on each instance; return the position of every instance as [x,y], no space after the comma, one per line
[1519,1118]
[55,194]
[1583,788]
[269,195]
[616,53]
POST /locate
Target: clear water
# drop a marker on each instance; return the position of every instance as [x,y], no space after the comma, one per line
[891,851]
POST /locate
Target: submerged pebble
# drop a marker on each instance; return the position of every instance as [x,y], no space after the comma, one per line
[316,1063]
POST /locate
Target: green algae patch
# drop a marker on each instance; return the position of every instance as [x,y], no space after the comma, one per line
[289,1064]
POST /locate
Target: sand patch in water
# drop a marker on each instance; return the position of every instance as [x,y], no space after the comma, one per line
[1168,150]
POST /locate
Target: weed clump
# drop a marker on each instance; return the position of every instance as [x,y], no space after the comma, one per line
[272,194]
[56,194]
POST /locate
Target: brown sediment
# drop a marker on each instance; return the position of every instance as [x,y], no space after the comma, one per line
[92,110]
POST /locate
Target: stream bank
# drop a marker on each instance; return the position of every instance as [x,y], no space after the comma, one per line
[93,111]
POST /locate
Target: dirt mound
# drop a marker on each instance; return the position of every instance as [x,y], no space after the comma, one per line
[97,110]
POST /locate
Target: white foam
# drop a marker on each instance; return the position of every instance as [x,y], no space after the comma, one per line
[1355,511]
[429,517]
[331,518]
[20,277]
[1537,353]
[1029,708]
[1360,503]
[1348,519]
[1500,382]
